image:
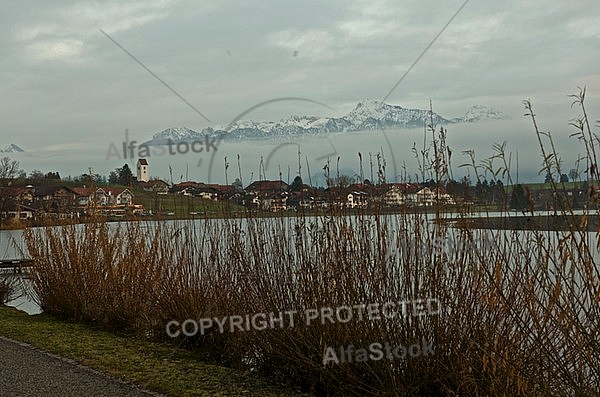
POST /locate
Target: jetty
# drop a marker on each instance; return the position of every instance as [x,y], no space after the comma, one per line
[16,265]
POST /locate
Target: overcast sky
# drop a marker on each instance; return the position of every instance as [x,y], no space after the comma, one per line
[67,91]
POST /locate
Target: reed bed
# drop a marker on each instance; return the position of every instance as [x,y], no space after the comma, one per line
[519,310]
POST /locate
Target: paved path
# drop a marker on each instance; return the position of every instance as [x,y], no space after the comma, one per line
[27,371]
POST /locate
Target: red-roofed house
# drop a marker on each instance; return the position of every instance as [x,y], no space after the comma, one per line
[267,187]
[155,185]
[115,198]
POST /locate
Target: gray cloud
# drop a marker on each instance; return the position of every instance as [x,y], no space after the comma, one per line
[67,91]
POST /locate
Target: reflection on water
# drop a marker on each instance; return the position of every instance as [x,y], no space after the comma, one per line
[12,246]
[25,296]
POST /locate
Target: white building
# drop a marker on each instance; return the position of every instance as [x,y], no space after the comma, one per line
[142,170]
[425,197]
[357,200]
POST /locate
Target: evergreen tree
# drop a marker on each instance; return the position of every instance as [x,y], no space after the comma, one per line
[296,185]
[518,201]
[238,185]
[125,176]
[491,194]
[499,191]
[113,177]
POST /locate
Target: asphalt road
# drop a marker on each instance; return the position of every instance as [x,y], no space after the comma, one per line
[27,371]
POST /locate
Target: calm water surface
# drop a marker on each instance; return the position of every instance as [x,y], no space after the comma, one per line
[12,245]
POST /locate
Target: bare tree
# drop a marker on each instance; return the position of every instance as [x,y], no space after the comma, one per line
[574,175]
[36,175]
[9,169]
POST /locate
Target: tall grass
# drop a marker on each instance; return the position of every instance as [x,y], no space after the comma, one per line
[520,312]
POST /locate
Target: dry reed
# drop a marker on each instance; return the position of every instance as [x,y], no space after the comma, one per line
[519,309]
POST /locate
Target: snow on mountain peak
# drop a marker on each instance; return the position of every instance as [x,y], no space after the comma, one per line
[482,112]
[176,133]
[369,103]
[368,114]
[11,148]
[369,108]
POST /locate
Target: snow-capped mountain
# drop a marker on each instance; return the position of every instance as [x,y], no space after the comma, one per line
[177,134]
[481,112]
[366,115]
[11,148]
[370,114]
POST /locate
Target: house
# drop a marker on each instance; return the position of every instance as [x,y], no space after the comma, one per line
[15,202]
[360,195]
[399,194]
[301,200]
[425,197]
[273,202]
[142,170]
[85,196]
[185,188]
[224,192]
[334,197]
[205,191]
[268,195]
[362,187]
[105,200]
[442,196]
[16,194]
[320,200]
[60,201]
[267,187]
[357,199]
[117,196]
[394,197]
[31,201]
[155,185]
[301,196]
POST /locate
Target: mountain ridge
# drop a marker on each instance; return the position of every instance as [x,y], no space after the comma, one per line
[367,115]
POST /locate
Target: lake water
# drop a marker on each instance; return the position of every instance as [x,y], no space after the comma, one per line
[12,246]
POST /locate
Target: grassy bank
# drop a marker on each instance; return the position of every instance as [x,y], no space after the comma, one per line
[157,367]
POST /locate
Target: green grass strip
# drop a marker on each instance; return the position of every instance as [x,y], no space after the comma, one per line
[153,366]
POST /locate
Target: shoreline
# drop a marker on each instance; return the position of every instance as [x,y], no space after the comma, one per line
[586,223]
[509,220]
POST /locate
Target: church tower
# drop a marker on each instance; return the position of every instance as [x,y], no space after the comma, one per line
[142,170]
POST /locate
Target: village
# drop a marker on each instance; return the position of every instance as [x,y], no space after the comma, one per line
[140,196]
[58,200]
